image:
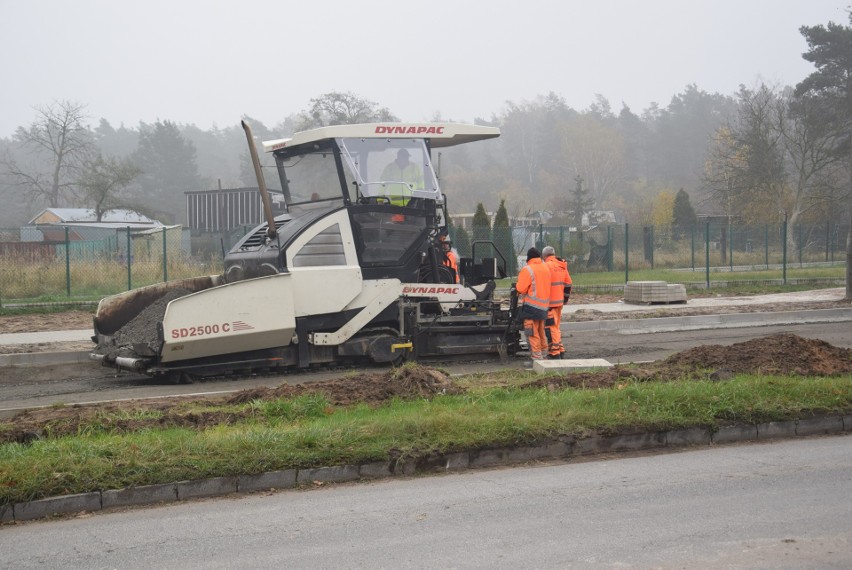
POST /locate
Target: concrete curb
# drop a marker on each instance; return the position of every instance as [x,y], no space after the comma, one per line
[45,358]
[731,320]
[564,448]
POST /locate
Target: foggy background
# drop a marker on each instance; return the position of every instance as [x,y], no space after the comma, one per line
[609,110]
[210,62]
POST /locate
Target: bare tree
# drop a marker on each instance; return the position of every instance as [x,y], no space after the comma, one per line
[337,108]
[102,181]
[59,142]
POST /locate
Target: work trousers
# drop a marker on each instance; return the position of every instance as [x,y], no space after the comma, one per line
[554,333]
[535,331]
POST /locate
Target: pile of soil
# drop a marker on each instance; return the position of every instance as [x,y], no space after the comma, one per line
[777,354]
[781,354]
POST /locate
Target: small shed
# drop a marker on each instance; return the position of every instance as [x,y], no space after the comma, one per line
[50,224]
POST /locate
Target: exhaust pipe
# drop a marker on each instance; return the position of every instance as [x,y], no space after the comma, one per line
[261,183]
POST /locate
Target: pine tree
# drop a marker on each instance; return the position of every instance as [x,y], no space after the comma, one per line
[461,241]
[481,224]
[683,216]
[503,238]
[481,230]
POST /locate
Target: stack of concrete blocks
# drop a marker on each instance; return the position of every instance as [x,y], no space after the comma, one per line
[653,292]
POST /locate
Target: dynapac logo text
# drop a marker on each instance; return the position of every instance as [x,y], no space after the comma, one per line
[397,130]
[430,290]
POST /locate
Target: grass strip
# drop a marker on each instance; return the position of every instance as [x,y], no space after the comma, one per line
[307,432]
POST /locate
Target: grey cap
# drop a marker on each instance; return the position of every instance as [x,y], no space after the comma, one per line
[548,251]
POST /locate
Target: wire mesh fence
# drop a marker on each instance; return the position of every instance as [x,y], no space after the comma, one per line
[57,263]
[63,266]
[706,247]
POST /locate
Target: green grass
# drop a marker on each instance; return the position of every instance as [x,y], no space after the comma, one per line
[308,432]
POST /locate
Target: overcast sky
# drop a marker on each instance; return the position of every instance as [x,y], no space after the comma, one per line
[210,62]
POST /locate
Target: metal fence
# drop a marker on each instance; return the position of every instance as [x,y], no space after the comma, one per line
[66,268]
[707,247]
[128,258]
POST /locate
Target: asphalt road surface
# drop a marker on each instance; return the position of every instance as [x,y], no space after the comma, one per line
[93,383]
[773,505]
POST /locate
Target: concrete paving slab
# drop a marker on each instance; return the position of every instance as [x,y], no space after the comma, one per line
[570,365]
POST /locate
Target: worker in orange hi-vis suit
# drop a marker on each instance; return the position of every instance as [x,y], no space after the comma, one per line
[533,288]
[450,259]
[560,291]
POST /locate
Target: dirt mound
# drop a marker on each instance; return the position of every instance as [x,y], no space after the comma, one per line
[370,388]
[777,354]
[780,354]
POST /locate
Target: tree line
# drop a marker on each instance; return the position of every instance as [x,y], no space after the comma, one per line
[761,155]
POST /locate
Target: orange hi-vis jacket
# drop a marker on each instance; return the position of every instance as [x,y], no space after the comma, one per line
[451,262]
[534,284]
[559,278]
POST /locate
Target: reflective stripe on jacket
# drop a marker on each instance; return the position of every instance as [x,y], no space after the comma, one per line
[534,284]
[559,277]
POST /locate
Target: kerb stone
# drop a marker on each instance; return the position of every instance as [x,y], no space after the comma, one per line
[206,487]
[139,495]
[816,426]
[57,506]
[441,462]
[264,481]
[773,430]
[730,434]
[688,436]
[335,474]
[377,470]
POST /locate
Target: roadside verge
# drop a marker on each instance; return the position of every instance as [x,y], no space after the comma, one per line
[563,448]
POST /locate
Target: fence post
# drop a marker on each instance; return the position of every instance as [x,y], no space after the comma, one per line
[693,248]
[67,263]
[707,255]
[766,244]
[652,246]
[609,248]
[827,233]
[562,241]
[165,259]
[801,239]
[731,246]
[784,250]
[626,252]
[129,281]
